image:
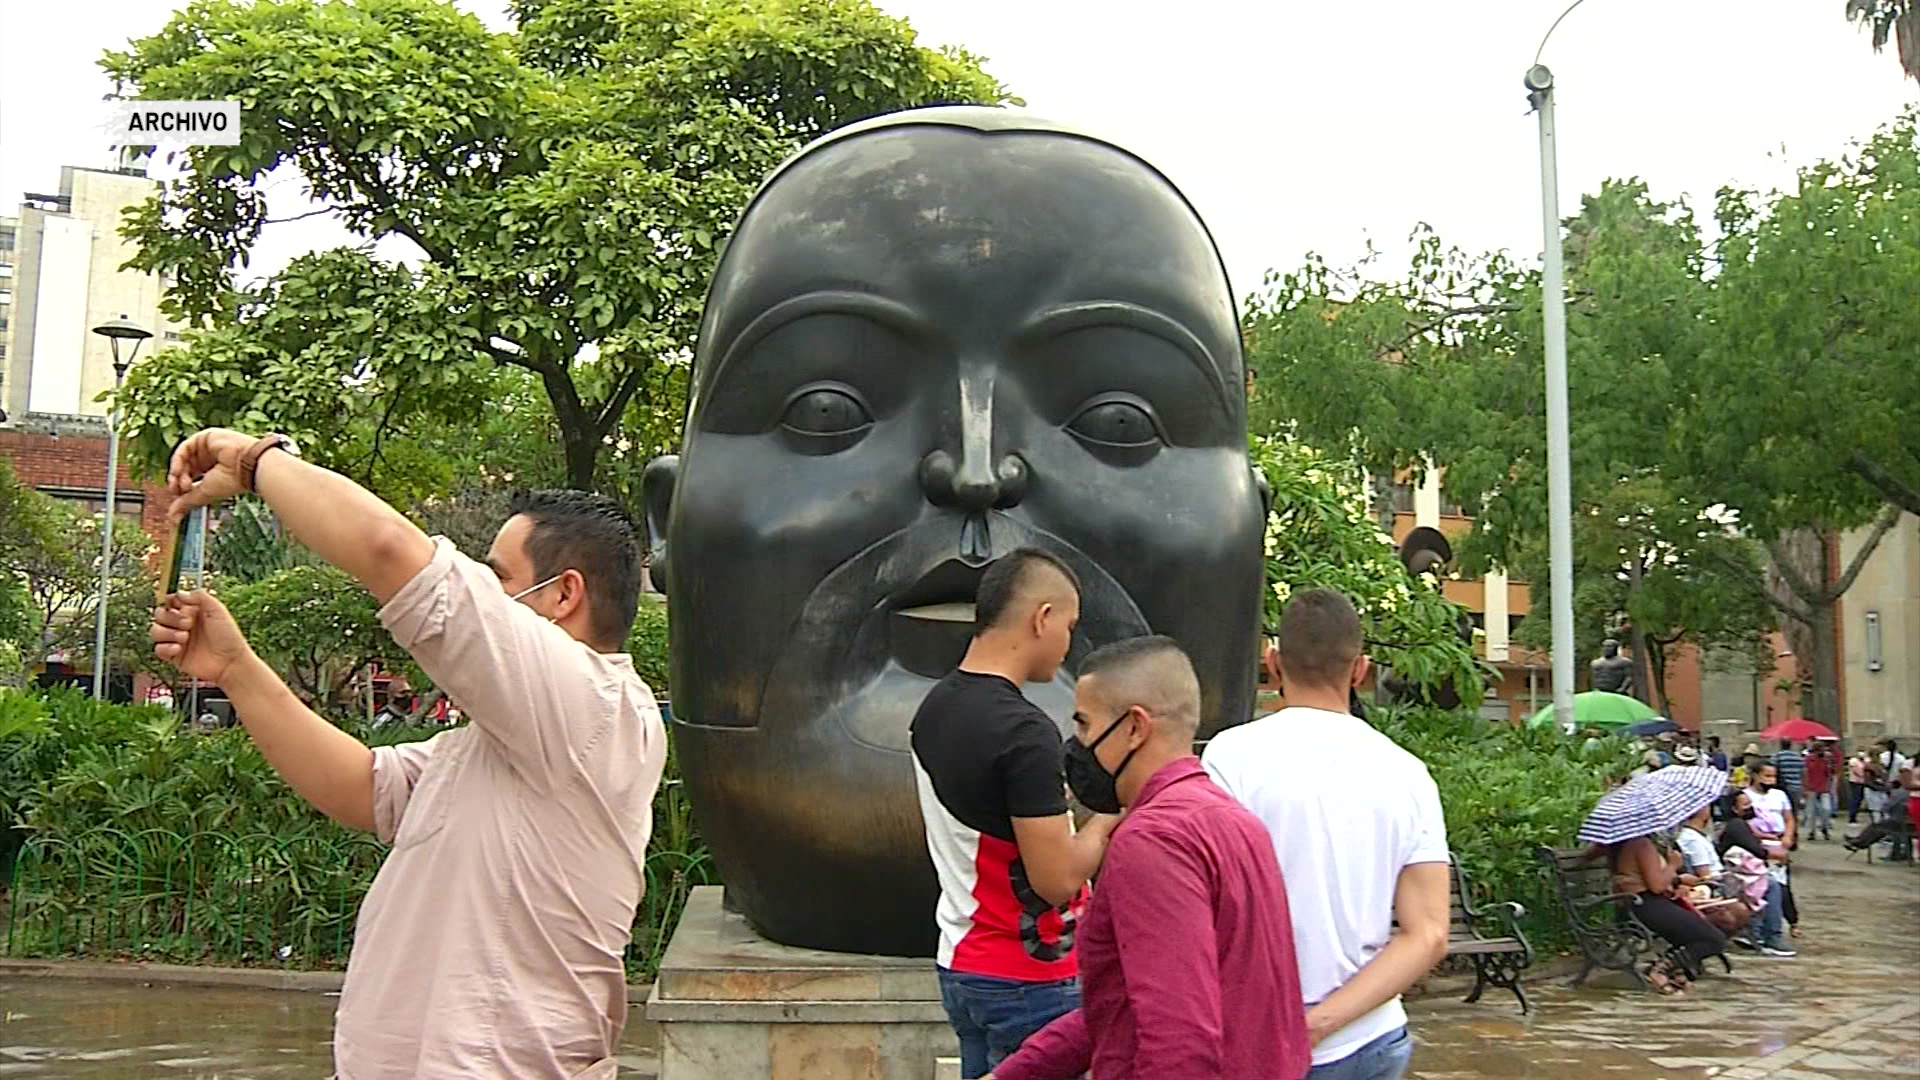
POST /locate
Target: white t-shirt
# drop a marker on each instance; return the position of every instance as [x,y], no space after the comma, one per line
[1698,851]
[1348,809]
[1771,809]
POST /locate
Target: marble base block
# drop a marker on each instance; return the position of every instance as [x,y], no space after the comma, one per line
[730,1003]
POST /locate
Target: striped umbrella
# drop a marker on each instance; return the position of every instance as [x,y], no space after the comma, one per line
[1648,804]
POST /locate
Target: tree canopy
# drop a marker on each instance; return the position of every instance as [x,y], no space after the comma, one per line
[50,580]
[1319,535]
[1728,391]
[565,188]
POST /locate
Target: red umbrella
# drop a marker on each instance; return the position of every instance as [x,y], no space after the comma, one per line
[1798,728]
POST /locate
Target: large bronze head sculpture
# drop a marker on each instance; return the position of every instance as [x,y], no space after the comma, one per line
[935,337]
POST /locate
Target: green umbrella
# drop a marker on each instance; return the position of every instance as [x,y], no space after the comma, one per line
[1599,709]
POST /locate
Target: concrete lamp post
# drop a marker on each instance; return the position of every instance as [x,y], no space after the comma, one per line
[115,331]
[1539,83]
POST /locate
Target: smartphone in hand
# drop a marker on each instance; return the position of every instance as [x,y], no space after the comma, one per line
[184,557]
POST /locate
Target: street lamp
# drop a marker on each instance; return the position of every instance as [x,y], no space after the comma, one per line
[115,331]
[1553,301]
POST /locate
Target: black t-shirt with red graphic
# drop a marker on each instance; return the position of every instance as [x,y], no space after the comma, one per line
[983,755]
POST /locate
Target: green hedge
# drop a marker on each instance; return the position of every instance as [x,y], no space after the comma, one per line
[147,840]
[1505,791]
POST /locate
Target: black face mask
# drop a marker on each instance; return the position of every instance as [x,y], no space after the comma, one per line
[1763,786]
[1089,780]
[1746,814]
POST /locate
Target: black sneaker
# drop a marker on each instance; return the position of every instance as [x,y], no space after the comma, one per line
[1781,950]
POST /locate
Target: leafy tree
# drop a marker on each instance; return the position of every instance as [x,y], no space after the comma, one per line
[1442,368]
[1319,535]
[1677,573]
[567,187]
[1897,21]
[315,625]
[1802,406]
[1807,398]
[50,559]
[1761,382]
[245,543]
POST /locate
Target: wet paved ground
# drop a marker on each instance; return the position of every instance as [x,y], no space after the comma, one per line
[1849,1006]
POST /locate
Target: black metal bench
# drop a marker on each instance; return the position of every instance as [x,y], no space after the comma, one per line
[1489,936]
[1602,921]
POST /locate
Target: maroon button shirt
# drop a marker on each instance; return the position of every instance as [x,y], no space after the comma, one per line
[1186,951]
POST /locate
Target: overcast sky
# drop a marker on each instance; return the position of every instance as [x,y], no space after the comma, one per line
[1293,126]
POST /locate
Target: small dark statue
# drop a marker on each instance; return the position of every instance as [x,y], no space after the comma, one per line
[1611,671]
[935,337]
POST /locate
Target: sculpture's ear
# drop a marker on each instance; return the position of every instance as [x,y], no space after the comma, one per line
[656,496]
[1265,489]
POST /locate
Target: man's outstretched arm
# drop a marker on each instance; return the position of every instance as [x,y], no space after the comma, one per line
[333,517]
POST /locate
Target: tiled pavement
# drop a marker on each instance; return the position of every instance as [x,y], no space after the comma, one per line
[1847,1006]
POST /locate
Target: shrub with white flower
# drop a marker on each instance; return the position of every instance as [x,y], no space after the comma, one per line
[1321,535]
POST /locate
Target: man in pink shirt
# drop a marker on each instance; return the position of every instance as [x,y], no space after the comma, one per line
[1187,966]
[492,940]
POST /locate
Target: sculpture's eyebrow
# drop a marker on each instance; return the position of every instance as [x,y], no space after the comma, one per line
[887,312]
[1079,316]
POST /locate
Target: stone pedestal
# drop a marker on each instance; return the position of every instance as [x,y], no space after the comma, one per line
[1734,737]
[731,1003]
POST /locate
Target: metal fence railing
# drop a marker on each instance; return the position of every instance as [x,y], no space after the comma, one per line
[256,899]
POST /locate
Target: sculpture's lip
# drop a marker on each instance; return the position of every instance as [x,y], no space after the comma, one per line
[950,583]
[950,611]
[931,621]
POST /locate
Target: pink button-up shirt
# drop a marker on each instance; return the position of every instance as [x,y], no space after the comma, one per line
[1186,953]
[491,942]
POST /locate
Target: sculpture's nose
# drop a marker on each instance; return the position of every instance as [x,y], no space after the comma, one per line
[967,484]
[973,480]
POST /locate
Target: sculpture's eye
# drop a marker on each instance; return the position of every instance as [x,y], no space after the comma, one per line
[1116,423]
[825,419]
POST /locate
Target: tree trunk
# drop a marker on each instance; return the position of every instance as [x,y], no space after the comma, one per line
[579,434]
[1657,662]
[1820,688]
[1643,678]
[583,457]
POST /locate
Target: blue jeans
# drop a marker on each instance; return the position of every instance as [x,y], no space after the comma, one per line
[994,1016]
[1385,1058]
[1820,813]
[1773,917]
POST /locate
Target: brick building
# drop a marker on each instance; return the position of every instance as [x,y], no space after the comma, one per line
[66,457]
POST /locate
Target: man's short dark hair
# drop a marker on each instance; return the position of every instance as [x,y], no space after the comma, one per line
[1319,638]
[1891,745]
[1152,671]
[593,534]
[1713,740]
[1010,577]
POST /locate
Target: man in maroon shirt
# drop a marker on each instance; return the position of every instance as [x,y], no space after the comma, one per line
[1186,950]
[1819,790]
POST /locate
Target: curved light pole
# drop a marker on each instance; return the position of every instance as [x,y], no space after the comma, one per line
[1553,300]
[115,331]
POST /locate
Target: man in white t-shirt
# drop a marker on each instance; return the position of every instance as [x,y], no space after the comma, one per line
[1356,857]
